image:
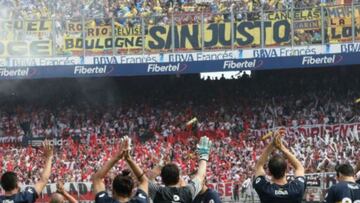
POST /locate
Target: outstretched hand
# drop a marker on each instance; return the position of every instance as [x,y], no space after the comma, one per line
[278,139]
[203,148]
[47,149]
[126,147]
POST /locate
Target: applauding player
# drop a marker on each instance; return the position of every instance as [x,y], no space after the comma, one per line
[346,190]
[279,190]
[61,195]
[122,184]
[9,181]
[174,190]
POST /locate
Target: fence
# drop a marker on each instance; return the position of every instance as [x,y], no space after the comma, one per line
[180,32]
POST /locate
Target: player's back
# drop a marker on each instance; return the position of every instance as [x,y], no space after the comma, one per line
[343,192]
[140,197]
[173,194]
[291,192]
[27,196]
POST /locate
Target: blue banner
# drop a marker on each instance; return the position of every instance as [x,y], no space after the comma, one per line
[109,70]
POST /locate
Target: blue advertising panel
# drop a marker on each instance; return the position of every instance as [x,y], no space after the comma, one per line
[142,69]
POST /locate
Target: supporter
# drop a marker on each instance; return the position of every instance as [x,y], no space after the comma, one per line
[347,190]
[61,195]
[10,182]
[279,189]
[247,188]
[122,185]
[170,176]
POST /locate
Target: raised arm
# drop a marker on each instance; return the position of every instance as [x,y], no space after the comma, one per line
[98,177]
[61,190]
[299,168]
[44,178]
[259,166]
[139,173]
[203,149]
[156,171]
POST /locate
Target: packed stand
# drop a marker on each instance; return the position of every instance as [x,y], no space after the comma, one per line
[90,115]
[69,9]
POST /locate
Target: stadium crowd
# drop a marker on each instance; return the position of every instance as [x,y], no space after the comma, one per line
[46,9]
[90,115]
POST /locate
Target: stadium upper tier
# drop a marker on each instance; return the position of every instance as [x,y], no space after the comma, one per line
[32,9]
[67,28]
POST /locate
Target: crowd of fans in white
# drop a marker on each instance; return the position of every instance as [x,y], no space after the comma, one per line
[153,112]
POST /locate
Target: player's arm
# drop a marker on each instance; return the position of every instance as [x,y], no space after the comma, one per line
[139,173]
[61,190]
[203,149]
[98,177]
[152,186]
[44,177]
[259,166]
[299,168]
[156,171]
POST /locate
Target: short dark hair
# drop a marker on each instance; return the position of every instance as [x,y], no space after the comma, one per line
[277,166]
[345,170]
[123,184]
[170,174]
[9,181]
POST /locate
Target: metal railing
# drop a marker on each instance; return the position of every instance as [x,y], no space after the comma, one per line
[185,32]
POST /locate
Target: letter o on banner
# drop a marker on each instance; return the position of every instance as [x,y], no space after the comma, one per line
[282,30]
[108,42]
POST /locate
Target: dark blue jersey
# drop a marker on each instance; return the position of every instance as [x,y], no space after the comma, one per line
[209,196]
[185,194]
[29,195]
[343,192]
[140,197]
[292,192]
[358,181]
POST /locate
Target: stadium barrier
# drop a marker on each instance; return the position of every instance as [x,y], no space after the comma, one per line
[191,31]
[177,68]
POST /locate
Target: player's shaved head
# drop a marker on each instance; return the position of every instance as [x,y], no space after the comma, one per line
[57,198]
